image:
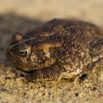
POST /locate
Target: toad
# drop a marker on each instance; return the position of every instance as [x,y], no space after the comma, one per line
[58,49]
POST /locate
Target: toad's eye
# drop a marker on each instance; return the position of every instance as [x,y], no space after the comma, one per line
[23,53]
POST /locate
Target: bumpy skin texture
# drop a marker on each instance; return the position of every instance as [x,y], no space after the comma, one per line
[57,49]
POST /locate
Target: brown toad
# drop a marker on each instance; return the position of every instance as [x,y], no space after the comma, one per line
[57,49]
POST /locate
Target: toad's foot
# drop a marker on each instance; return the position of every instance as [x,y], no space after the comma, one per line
[49,74]
[95,64]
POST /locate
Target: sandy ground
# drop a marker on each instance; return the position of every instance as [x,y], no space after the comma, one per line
[25,15]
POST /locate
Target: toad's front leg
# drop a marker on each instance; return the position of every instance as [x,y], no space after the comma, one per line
[47,74]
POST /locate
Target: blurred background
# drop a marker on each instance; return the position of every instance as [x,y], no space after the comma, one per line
[24,15]
[47,9]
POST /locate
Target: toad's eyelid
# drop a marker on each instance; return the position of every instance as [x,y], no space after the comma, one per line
[20,42]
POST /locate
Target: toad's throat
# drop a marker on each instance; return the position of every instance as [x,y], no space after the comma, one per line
[35,66]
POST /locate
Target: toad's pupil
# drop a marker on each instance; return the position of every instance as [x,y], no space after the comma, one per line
[23,53]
